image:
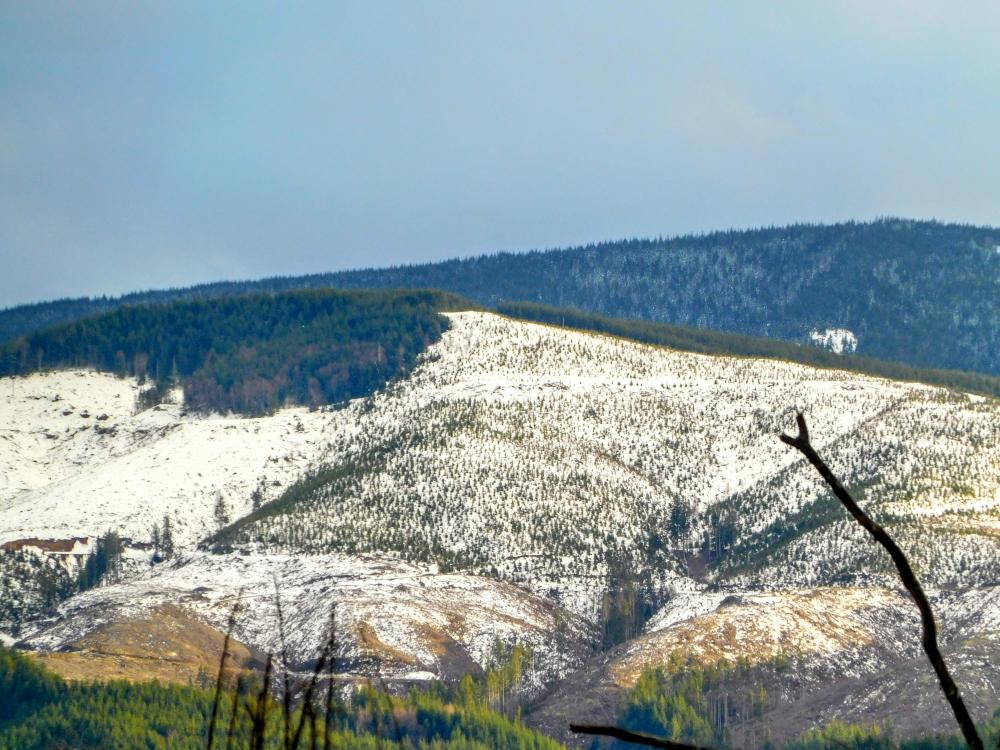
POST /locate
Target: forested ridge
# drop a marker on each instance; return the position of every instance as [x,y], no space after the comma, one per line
[919,292]
[251,353]
[683,702]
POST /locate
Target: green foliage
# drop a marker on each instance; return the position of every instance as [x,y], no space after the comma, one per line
[687,702]
[103,563]
[30,584]
[25,687]
[38,711]
[249,354]
[843,736]
[432,716]
[682,701]
[501,688]
[628,601]
[990,733]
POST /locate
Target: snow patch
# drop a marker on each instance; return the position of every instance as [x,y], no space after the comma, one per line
[837,340]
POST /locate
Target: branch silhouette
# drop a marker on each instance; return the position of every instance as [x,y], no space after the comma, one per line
[929,640]
[639,738]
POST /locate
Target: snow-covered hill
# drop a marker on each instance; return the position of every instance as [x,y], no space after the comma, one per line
[531,452]
[498,492]
[808,656]
[546,456]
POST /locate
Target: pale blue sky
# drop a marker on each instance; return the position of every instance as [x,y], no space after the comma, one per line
[155,144]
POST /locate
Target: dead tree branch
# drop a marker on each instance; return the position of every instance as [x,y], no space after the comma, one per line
[929,639]
[220,679]
[639,738]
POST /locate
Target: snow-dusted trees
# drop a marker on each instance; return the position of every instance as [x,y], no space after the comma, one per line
[103,565]
[251,354]
[162,539]
[220,512]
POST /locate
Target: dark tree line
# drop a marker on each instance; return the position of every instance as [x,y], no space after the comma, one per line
[248,354]
[40,711]
[162,537]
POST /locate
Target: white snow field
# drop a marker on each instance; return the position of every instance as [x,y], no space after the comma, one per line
[75,460]
[537,453]
[837,340]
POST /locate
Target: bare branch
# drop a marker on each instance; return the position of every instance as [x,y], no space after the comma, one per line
[258,713]
[326,656]
[286,702]
[332,666]
[234,714]
[929,640]
[222,669]
[639,738]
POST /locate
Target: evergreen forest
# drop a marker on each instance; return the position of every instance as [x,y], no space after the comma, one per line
[248,354]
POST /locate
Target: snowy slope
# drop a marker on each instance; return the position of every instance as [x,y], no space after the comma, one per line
[817,655]
[537,454]
[76,460]
[393,619]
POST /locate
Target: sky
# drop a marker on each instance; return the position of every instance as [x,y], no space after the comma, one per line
[155,144]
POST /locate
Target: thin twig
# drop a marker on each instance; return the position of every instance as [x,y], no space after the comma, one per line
[639,738]
[332,664]
[286,679]
[929,640]
[222,667]
[230,740]
[258,716]
[312,727]
[310,689]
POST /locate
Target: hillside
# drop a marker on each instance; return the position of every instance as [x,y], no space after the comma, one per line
[540,454]
[790,661]
[524,483]
[398,621]
[79,459]
[919,292]
[42,712]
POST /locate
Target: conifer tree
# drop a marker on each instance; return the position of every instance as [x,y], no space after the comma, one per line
[257,496]
[221,512]
[156,540]
[167,538]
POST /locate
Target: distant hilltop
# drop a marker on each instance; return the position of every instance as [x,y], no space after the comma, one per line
[919,292]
